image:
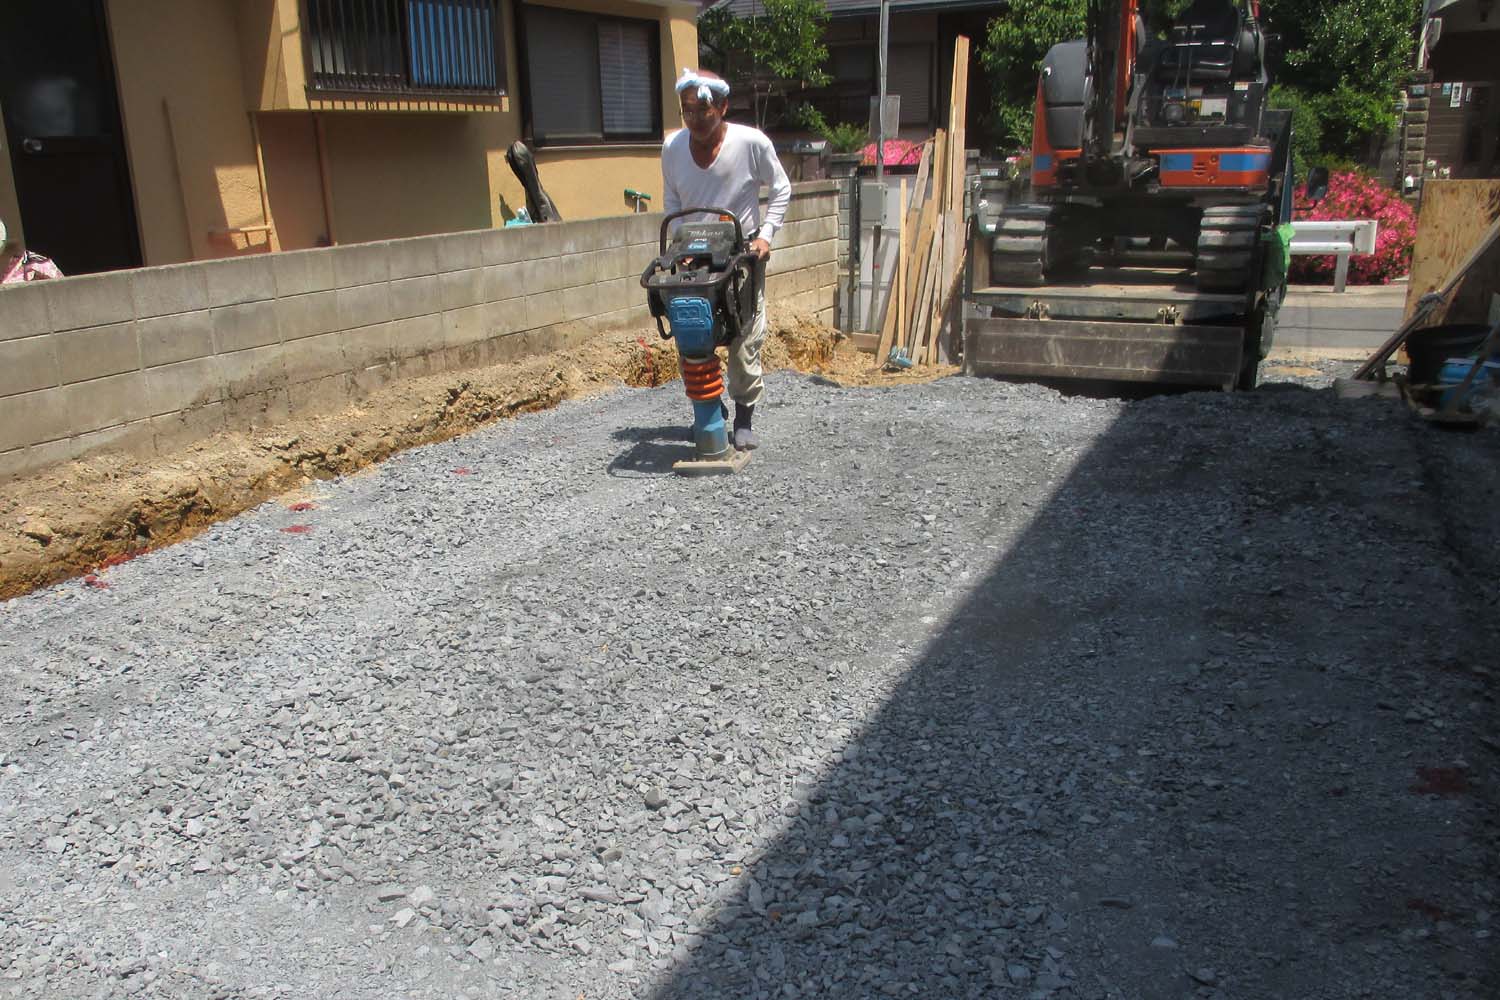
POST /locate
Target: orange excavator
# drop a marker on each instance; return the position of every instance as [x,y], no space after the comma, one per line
[1153,247]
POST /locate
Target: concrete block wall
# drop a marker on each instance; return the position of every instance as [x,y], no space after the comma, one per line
[147,360]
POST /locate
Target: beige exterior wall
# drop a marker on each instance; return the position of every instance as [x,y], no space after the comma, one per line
[587,184]
[187,136]
[396,175]
[294,180]
[202,82]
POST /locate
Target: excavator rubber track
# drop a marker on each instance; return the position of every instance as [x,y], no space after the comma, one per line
[1227,241]
[1019,252]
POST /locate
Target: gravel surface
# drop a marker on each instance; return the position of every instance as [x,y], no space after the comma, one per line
[960,690]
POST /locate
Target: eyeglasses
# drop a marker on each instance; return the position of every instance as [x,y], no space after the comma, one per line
[701,112]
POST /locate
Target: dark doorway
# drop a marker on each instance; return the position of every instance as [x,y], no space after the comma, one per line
[66,146]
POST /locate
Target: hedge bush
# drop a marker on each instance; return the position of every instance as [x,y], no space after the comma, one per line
[898,153]
[1354,195]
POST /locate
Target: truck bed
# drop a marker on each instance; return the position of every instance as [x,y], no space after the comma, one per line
[1116,294]
[1133,325]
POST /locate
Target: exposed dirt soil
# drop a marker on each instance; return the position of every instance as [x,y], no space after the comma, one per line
[85,516]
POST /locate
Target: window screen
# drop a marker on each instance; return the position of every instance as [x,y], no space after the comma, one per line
[452,44]
[590,78]
[855,64]
[561,58]
[908,72]
[406,46]
[627,80]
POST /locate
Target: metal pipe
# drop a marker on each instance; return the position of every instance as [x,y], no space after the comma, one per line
[885,26]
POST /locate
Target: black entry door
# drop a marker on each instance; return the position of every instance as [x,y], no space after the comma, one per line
[63,135]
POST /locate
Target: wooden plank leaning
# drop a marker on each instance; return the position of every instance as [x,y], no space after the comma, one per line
[917,204]
[923,249]
[954,245]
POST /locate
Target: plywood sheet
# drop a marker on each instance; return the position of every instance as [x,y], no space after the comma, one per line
[1455,217]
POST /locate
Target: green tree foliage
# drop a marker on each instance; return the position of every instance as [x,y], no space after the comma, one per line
[1014,44]
[1345,59]
[1343,62]
[1307,127]
[772,54]
[843,137]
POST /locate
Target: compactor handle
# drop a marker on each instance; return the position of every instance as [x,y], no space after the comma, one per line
[739,234]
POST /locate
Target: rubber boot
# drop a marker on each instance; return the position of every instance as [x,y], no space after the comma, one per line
[744,437]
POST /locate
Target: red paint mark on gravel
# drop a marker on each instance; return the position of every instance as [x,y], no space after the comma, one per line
[118,559]
[1448,782]
[302,505]
[463,470]
[297,529]
[93,581]
[1430,910]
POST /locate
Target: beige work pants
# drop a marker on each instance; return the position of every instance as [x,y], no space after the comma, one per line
[745,373]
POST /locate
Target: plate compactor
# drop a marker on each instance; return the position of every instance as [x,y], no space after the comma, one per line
[705,283]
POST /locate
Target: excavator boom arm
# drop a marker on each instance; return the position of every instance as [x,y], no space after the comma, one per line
[1112,27]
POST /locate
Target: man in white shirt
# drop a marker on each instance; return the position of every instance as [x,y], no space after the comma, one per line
[712,163]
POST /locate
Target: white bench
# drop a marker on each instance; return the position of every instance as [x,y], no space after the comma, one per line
[1342,238]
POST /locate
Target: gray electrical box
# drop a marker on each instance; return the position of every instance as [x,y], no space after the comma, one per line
[875,208]
[879,241]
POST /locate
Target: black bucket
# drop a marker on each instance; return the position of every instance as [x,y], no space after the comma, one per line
[1431,346]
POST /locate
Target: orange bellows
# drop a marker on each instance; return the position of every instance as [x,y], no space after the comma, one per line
[704,379]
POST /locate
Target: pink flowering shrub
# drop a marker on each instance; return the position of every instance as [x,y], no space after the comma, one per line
[1353,195]
[898,153]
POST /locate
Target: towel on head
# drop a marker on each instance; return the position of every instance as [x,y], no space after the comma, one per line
[709,89]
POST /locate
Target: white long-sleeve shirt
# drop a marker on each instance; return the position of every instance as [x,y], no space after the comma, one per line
[746,160]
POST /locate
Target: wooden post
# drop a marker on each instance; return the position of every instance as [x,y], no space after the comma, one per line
[901,270]
[953,217]
[326,177]
[191,224]
[272,239]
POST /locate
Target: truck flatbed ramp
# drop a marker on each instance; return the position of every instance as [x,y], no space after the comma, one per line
[1122,325]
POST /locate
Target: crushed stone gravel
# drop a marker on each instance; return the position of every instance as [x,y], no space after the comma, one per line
[964,689]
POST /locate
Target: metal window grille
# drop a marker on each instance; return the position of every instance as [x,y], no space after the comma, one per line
[406,46]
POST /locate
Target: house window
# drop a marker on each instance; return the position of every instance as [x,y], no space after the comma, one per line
[853,63]
[590,78]
[406,46]
[853,66]
[909,74]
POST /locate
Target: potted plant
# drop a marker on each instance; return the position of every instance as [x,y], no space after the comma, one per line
[846,140]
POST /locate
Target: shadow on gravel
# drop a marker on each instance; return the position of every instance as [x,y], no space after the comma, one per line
[1100,389]
[652,450]
[1145,758]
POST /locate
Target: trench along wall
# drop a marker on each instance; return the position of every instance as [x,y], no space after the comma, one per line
[147,361]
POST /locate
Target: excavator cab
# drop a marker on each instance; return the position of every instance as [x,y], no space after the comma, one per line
[1155,140]
[1155,164]
[1210,73]
[1213,40]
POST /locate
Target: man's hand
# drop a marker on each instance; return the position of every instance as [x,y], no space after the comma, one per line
[761,249]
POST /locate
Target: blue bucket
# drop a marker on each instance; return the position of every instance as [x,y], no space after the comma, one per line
[1455,370]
